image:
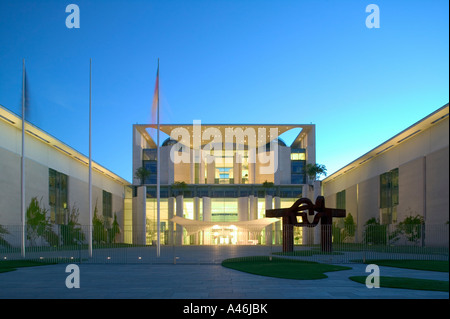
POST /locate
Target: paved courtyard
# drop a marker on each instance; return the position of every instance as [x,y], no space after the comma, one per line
[181,281]
[196,273]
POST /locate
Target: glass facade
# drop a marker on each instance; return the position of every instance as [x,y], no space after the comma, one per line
[224,210]
[58,190]
[298,166]
[340,200]
[219,198]
[224,173]
[389,198]
[149,162]
[223,207]
[107,205]
[226,191]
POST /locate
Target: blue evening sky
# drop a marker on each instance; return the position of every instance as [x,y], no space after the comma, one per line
[242,61]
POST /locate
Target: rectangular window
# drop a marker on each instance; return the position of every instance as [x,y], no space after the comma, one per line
[340,200]
[107,204]
[224,175]
[298,156]
[389,198]
[298,179]
[298,164]
[151,167]
[58,193]
[149,162]
[196,173]
[224,210]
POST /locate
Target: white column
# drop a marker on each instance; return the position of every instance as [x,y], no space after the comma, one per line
[211,172]
[243,205]
[251,166]
[206,218]
[196,201]
[253,215]
[171,211]
[253,207]
[237,168]
[139,218]
[179,229]
[269,228]
[277,204]
[202,167]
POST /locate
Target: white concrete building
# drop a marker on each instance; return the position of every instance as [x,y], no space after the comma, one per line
[57,175]
[230,175]
[408,175]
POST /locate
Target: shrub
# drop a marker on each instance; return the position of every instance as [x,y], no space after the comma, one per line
[3,242]
[374,232]
[72,233]
[38,224]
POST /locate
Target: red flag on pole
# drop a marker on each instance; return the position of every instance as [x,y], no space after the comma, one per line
[155,99]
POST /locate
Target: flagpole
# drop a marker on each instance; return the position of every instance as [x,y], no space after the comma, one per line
[23,162]
[158,180]
[90,158]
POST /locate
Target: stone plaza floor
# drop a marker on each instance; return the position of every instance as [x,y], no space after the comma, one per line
[189,281]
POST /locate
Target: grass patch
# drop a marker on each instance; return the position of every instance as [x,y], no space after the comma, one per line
[11,265]
[407,283]
[281,268]
[430,265]
[306,253]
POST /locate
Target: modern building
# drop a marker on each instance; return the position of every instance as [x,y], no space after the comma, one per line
[408,175]
[58,177]
[217,181]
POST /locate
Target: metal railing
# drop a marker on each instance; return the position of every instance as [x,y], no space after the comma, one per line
[350,245]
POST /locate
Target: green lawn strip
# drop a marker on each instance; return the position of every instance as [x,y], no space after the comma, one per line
[430,265]
[306,253]
[407,283]
[11,265]
[281,268]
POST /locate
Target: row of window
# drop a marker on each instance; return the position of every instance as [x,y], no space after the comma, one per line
[225,192]
[224,175]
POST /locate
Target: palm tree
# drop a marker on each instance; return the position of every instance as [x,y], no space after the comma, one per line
[315,170]
[178,188]
[268,187]
[142,173]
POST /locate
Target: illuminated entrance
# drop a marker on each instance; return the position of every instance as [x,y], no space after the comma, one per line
[226,233]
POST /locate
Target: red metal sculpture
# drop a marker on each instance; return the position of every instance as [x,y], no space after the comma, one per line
[302,208]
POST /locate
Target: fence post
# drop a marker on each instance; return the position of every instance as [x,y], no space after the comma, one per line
[422,235]
[79,251]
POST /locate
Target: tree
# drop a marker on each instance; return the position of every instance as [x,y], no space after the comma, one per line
[374,232]
[349,227]
[72,233]
[3,242]
[99,232]
[412,228]
[142,173]
[268,187]
[178,188]
[38,224]
[315,170]
[115,229]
